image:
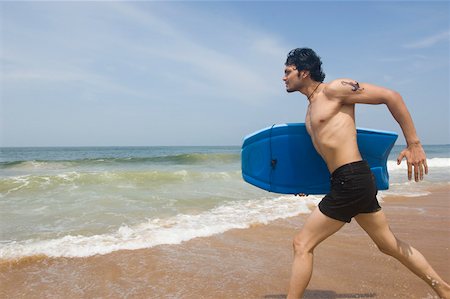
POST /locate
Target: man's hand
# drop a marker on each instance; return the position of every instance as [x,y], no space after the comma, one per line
[415,156]
[301,194]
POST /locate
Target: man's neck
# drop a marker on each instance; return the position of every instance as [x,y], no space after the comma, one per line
[310,89]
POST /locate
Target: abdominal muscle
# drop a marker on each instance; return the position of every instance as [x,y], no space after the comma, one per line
[334,138]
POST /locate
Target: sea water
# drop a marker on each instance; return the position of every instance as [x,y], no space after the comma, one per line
[78,202]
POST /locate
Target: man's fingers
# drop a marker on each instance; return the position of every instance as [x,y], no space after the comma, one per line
[400,158]
[416,171]
[301,194]
[415,158]
[421,166]
[409,171]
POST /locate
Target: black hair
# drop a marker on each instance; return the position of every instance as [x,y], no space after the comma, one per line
[306,59]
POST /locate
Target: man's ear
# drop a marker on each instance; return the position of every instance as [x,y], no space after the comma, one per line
[303,74]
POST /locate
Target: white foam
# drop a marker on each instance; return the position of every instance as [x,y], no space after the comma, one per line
[403,193]
[432,163]
[173,230]
[22,181]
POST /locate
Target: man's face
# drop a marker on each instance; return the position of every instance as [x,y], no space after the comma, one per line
[291,78]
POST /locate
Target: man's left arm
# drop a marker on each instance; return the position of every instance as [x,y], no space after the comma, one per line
[352,92]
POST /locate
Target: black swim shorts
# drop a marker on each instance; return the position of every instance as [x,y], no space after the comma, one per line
[353,191]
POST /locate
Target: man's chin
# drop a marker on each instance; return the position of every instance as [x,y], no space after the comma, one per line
[289,90]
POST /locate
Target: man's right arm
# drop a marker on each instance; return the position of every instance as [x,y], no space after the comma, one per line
[349,91]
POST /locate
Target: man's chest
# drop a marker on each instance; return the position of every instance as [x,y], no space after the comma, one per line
[319,113]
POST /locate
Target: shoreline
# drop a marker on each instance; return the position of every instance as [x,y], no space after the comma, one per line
[250,263]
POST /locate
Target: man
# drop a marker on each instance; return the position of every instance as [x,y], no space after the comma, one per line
[330,120]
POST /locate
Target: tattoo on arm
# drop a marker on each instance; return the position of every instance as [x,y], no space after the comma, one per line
[354,85]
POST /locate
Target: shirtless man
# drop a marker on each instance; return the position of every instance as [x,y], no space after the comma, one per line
[330,120]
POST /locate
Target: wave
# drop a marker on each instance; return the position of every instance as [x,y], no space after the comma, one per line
[432,163]
[158,231]
[439,170]
[137,179]
[179,159]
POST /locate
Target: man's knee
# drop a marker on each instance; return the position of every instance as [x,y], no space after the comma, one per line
[301,245]
[391,248]
[386,249]
[398,249]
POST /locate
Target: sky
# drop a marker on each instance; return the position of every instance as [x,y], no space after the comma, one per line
[208,73]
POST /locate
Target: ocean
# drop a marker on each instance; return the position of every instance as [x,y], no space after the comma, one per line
[84,201]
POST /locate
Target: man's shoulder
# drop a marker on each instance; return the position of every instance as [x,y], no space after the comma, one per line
[340,83]
[340,86]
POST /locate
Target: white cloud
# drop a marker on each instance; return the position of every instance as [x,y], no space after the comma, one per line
[228,74]
[429,41]
[404,58]
[146,42]
[68,76]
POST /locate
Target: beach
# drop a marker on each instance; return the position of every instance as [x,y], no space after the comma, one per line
[249,263]
[152,149]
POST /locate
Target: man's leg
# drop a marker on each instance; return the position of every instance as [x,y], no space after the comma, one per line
[376,226]
[317,228]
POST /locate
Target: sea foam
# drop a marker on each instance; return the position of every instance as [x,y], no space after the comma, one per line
[171,230]
[431,163]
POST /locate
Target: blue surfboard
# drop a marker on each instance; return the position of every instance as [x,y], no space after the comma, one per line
[282,159]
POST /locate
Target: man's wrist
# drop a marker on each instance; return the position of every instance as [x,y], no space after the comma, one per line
[414,142]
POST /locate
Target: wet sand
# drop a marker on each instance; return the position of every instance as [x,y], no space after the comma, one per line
[249,263]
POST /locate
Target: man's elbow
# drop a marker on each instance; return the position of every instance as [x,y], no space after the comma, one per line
[392,98]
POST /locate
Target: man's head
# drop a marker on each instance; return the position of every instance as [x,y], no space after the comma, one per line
[305,59]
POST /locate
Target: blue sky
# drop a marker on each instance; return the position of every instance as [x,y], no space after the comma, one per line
[207,73]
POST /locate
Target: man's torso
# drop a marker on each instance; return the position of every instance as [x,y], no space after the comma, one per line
[331,126]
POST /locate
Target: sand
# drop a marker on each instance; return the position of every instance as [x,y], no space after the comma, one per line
[250,263]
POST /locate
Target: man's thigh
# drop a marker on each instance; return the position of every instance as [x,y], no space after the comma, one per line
[317,228]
